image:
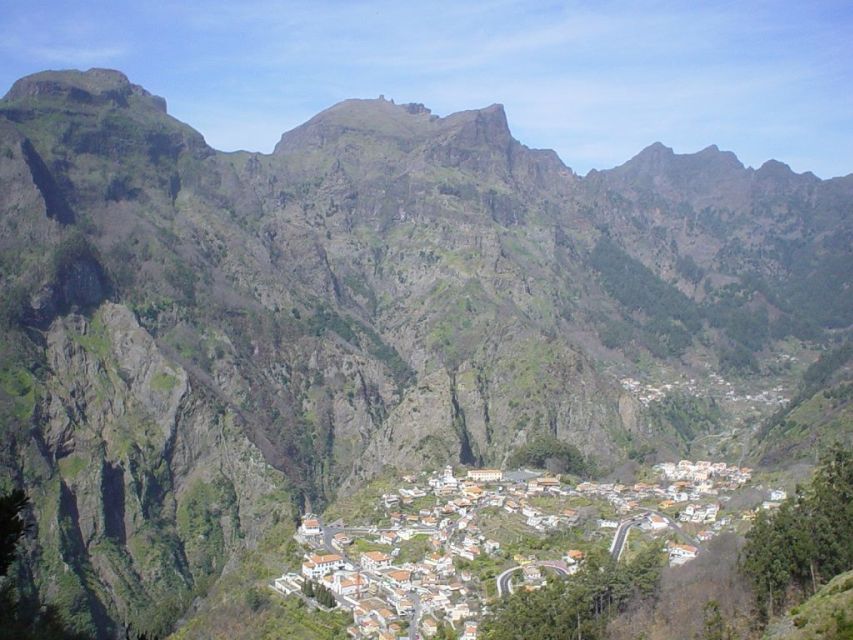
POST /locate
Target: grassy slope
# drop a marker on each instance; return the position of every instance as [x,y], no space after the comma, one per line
[828,615]
[241,605]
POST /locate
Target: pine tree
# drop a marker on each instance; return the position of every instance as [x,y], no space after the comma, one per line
[713,625]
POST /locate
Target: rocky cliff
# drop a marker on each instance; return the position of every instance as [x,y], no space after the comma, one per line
[197,344]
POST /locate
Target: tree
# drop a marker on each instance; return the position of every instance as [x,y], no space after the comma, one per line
[12,526]
[22,620]
[324,596]
[713,625]
[445,632]
[808,540]
[577,608]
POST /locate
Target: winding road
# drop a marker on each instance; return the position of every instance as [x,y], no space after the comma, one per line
[505,579]
[617,546]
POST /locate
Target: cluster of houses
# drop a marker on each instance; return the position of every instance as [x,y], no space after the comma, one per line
[715,385]
[705,476]
[392,598]
[384,594]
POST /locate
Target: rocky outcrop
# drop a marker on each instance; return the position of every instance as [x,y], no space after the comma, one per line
[129,464]
[187,332]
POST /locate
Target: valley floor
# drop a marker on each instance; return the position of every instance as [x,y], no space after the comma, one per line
[412,555]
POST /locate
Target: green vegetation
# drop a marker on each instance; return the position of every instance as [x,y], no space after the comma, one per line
[690,416]
[413,550]
[548,452]
[819,414]
[672,317]
[19,387]
[24,618]
[240,605]
[824,616]
[362,545]
[575,608]
[163,382]
[72,465]
[323,596]
[816,376]
[362,507]
[199,518]
[748,330]
[95,340]
[808,540]
[357,334]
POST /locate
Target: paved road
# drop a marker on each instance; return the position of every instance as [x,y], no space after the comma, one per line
[621,535]
[504,580]
[677,528]
[618,544]
[415,620]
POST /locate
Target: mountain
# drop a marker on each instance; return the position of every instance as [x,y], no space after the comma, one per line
[819,414]
[199,344]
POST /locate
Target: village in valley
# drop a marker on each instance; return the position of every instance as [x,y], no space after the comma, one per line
[438,548]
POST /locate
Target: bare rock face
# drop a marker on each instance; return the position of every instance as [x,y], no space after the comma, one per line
[196,342]
[129,461]
[95,86]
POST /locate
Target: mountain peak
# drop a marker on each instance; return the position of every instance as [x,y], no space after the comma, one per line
[95,86]
[656,148]
[386,119]
[370,116]
[779,172]
[657,159]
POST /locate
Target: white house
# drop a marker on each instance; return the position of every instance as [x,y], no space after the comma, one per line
[485,475]
[316,566]
[532,573]
[347,583]
[399,578]
[388,537]
[491,546]
[310,526]
[375,560]
[681,553]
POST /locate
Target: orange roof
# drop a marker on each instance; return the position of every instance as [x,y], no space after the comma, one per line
[376,556]
[685,547]
[400,575]
[331,557]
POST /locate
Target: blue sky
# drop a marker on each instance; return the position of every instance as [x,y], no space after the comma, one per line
[596,81]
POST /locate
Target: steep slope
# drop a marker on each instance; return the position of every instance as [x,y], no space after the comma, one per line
[763,254]
[826,615]
[197,344]
[820,414]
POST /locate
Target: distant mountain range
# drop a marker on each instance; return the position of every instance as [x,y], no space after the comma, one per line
[197,343]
